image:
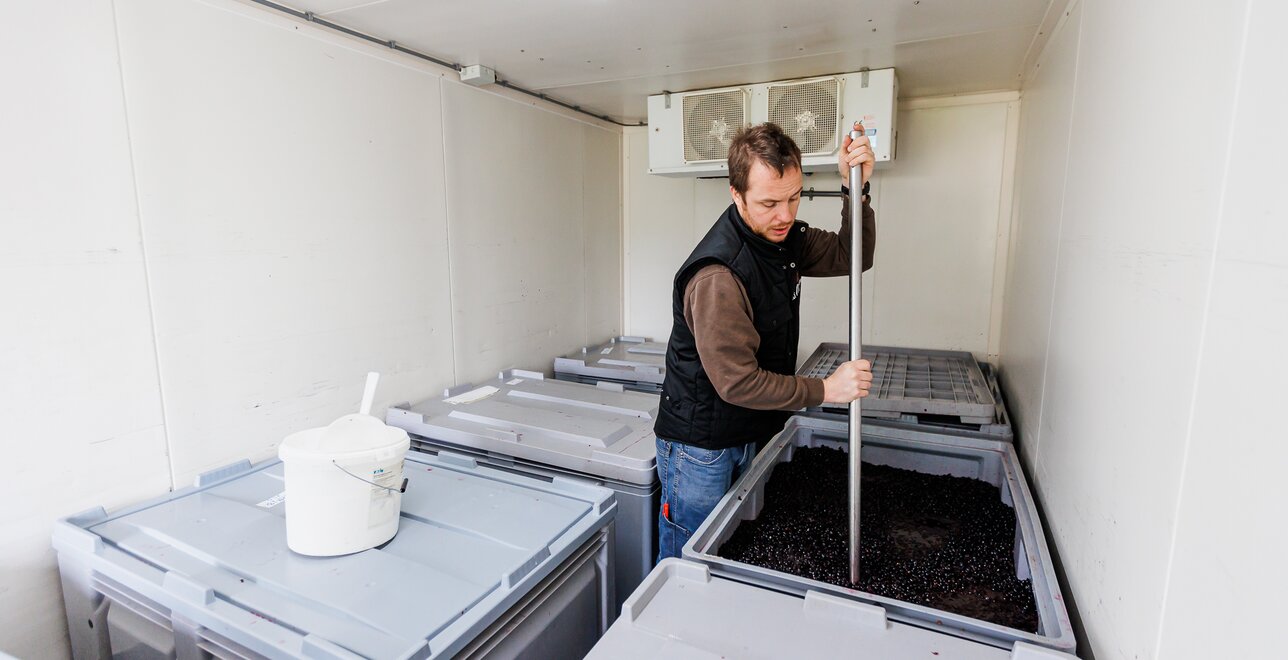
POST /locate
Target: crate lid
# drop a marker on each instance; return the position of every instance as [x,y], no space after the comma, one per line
[682,611]
[471,541]
[632,359]
[600,430]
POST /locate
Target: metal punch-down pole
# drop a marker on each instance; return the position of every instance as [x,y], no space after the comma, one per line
[856,352]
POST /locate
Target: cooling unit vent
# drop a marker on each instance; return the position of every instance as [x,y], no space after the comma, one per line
[807,111]
[710,121]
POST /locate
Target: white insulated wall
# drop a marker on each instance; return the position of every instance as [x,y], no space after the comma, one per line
[219,220]
[79,397]
[291,196]
[943,217]
[1144,321]
[535,217]
[1228,574]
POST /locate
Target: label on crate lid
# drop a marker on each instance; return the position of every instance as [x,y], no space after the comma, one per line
[273,501]
[476,394]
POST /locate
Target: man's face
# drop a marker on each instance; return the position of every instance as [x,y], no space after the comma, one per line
[769,207]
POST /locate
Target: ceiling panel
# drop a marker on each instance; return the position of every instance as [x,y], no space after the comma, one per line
[973,63]
[609,55]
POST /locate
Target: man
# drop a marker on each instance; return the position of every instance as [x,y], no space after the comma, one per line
[731,359]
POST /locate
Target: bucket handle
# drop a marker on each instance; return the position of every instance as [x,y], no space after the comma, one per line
[403,489]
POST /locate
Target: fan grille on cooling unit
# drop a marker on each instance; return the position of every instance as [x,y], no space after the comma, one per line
[710,121]
[807,111]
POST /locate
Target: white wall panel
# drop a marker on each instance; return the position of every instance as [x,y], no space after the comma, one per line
[938,209]
[290,233]
[825,301]
[1039,203]
[601,213]
[516,213]
[1135,246]
[1128,292]
[1228,574]
[710,199]
[78,383]
[938,224]
[659,227]
[292,200]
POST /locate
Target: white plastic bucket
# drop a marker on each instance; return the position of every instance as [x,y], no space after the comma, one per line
[343,485]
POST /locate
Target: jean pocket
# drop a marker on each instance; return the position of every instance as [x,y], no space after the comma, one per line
[674,537]
[700,456]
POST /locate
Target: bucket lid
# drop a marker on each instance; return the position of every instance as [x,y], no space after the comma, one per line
[350,434]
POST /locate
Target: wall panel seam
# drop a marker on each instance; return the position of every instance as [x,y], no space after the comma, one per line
[621,234]
[586,303]
[1055,278]
[1188,442]
[143,250]
[447,231]
[1033,63]
[627,317]
[1002,237]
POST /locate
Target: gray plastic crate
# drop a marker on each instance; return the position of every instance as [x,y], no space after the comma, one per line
[998,429]
[485,564]
[988,460]
[549,429]
[912,381]
[636,362]
[683,611]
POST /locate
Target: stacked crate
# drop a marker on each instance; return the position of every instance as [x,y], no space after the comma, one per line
[551,429]
[485,563]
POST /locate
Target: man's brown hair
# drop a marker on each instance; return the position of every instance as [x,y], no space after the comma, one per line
[766,143]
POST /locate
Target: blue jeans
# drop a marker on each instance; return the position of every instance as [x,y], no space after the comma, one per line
[693,481]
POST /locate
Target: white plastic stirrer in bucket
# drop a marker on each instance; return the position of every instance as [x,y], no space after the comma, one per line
[344,482]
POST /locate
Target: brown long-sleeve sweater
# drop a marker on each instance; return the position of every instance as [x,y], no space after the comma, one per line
[718,312]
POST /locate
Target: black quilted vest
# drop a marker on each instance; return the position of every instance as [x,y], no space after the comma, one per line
[691,411]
